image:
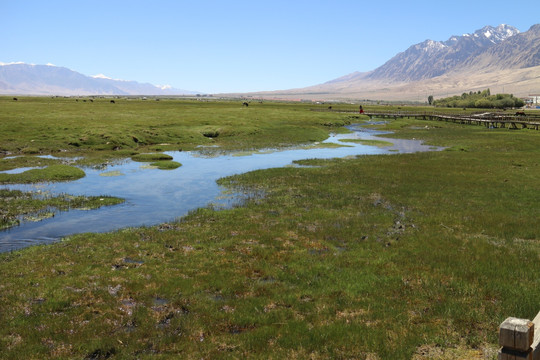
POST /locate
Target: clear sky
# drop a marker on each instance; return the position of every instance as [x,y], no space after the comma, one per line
[237,46]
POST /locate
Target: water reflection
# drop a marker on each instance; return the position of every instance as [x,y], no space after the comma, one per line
[155,196]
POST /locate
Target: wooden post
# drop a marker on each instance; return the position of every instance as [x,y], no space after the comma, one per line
[519,340]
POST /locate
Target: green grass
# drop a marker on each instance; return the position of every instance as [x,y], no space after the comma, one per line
[101,129]
[374,257]
[50,173]
[378,143]
[166,165]
[151,157]
[25,161]
[161,161]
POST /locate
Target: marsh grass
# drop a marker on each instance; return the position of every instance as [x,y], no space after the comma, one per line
[375,257]
[157,160]
[166,164]
[26,161]
[378,143]
[16,205]
[50,173]
[151,157]
[101,129]
[112,173]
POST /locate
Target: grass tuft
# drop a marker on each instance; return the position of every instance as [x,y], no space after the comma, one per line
[166,165]
[151,157]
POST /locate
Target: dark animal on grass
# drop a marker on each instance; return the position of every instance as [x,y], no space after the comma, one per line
[329,108]
[245,104]
[112,102]
[520,113]
[15,99]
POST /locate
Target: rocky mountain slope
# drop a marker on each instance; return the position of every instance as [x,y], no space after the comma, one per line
[517,52]
[500,58]
[434,58]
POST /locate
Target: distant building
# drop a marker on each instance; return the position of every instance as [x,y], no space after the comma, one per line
[534,99]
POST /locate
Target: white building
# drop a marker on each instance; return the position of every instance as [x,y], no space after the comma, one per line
[535,98]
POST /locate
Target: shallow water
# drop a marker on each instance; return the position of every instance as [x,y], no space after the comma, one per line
[155,196]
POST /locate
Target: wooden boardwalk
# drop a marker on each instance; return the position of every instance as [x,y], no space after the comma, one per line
[489,120]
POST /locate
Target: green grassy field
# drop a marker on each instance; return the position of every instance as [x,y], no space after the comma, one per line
[47,125]
[403,256]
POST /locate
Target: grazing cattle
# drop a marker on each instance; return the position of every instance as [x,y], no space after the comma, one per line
[329,108]
[112,102]
[520,113]
[15,99]
[245,104]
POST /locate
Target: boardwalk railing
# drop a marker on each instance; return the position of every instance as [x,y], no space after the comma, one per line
[520,339]
[488,119]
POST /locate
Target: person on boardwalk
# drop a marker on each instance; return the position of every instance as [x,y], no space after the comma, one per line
[361,109]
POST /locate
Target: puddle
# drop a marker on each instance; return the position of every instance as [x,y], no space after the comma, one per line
[154,196]
[160,301]
[267,280]
[133,261]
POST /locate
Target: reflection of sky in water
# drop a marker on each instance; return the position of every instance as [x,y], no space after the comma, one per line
[19,170]
[155,196]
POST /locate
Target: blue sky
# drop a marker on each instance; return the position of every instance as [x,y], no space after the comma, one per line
[236,46]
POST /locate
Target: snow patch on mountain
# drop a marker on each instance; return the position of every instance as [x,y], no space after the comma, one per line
[101,76]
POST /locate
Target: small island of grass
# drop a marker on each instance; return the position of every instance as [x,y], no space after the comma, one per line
[159,160]
[166,164]
[151,157]
[50,173]
[378,143]
[16,205]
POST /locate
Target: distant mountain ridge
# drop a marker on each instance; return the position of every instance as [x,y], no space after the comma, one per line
[499,57]
[26,79]
[433,58]
[516,52]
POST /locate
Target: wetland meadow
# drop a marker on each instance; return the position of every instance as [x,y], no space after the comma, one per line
[383,255]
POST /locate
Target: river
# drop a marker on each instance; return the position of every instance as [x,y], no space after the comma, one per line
[155,196]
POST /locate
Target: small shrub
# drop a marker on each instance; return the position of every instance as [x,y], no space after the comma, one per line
[211,133]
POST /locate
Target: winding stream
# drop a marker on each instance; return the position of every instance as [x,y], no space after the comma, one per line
[156,196]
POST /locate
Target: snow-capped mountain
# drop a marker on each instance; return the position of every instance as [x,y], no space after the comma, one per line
[516,52]
[500,58]
[433,58]
[20,78]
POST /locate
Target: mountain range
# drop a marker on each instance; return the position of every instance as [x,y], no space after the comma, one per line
[500,58]
[26,79]
[434,58]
